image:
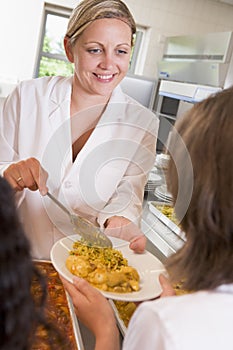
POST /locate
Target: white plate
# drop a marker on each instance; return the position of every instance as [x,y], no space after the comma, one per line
[147,265]
[154,178]
[162,192]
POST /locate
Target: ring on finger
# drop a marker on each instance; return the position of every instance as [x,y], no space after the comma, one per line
[19,179]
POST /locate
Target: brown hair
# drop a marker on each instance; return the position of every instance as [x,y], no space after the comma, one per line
[206,259]
[88,11]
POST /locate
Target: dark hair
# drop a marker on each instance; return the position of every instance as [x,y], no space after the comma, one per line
[206,259]
[20,315]
[17,311]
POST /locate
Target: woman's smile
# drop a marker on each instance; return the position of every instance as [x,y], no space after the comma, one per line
[105,78]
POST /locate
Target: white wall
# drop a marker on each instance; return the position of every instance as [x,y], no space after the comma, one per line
[20,23]
[20,29]
[178,17]
[21,20]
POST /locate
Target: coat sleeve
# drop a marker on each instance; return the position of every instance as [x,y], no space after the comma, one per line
[9,125]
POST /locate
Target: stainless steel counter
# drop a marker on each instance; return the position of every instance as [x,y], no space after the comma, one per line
[162,241]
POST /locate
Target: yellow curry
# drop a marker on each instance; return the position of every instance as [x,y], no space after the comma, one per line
[105,268]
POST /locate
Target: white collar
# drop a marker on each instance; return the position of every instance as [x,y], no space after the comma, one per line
[225,288]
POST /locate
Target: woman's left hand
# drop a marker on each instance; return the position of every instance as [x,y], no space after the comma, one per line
[123,228]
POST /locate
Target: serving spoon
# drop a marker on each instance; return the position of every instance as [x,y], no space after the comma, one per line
[91,234]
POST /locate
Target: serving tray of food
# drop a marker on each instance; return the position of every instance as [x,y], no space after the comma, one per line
[59,309]
[165,213]
[123,310]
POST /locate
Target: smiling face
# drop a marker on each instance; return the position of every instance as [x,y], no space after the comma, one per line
[101,56]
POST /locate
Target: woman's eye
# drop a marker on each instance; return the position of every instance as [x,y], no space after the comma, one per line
[122,52]
[94,50]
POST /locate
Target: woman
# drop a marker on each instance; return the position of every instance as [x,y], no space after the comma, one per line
[203,318]
[94,143]
[20,313]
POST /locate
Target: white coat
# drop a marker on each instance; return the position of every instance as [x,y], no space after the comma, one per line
[109,174]
[201,320]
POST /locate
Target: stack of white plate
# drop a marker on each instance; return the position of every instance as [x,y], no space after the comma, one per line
[162,160]
[153,181]
[162,193]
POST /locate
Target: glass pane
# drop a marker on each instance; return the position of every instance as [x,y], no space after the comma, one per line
[135,52]
[54,34]
[50,66]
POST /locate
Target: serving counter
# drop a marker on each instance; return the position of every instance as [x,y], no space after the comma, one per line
[164,238]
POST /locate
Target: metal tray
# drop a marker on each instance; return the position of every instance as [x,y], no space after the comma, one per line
[164,219]
[120,322]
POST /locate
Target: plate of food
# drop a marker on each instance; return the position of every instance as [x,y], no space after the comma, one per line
[118,272]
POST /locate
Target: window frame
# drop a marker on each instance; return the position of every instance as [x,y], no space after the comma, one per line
[55,11]
[141,46]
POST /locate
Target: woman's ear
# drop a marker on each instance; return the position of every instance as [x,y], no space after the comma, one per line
[68,49]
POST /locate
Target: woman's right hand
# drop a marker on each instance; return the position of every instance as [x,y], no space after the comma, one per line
[27,173]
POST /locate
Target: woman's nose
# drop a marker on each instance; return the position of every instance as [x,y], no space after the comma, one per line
[107,61]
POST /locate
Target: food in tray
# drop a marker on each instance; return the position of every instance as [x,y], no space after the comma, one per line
[179,290]
[168,211]
[125,310]
[57,308]
[105,268]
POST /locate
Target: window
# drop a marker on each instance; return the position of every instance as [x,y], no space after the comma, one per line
[140,50]
[52,58]
[136,50]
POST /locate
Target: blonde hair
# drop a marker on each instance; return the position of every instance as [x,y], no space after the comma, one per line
[88,11]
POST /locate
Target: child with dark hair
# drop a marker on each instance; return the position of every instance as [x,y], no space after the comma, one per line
[20,314]
[17,309]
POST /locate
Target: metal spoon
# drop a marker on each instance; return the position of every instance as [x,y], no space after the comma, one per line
[91,234]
